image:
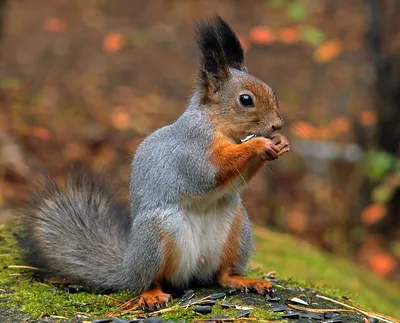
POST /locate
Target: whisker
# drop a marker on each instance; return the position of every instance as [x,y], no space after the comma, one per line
[297,128]
[290,121]
[291,111]
[240,174]
[269,169]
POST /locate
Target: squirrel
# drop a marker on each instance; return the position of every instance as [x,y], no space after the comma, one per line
[186,221]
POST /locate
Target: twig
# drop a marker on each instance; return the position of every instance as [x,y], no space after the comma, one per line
[136,312]
[318,310]
[127,303]
[89,314]
[22,267]
[58,317]
[169,309]
[121,307]
[357,309]
[114,299]
[242,319]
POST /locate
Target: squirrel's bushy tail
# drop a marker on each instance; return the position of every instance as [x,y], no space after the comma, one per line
[79,232]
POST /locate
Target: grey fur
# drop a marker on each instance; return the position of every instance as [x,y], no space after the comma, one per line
[67,231]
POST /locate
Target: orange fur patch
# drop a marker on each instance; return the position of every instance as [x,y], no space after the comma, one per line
[232,160]
[154,298]
[230,250]
[171,257]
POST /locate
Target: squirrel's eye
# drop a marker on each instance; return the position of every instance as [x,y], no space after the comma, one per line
[246,100]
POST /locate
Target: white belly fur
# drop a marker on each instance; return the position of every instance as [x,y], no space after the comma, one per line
[200,240]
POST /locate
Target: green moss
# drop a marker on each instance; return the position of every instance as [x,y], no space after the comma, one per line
[187,313]
[330,274]
[274,252]
[35,298]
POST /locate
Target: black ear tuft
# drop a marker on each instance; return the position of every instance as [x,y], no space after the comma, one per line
[230,44]
[219,46]
[212,59]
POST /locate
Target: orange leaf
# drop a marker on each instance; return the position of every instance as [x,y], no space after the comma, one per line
[261,35]
[244,42]
[55,25]
[113,42]
[120,119]
[367,117]
[289,35]
[373,213]
[39,132]
[383,263]
[296,221]
[340,125]
[327,51]
[323,133]
[303,129]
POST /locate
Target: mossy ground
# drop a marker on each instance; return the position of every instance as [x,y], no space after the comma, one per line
[329,275]
[297,259]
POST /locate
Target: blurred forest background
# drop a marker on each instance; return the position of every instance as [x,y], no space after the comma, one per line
[85,81]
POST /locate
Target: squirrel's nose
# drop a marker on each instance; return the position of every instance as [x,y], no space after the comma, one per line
[278,124]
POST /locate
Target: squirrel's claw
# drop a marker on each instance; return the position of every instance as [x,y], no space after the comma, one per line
[263,287]
[154,300]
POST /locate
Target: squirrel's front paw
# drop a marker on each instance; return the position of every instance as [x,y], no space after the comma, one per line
[154,299]
[280,143]
[266,148]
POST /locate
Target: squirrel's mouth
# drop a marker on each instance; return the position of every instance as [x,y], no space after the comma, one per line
[269,135]
[248,138]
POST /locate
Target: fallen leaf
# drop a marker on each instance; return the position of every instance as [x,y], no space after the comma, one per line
[373,213]
[383,264]
[39,132]
[289,35]
[324,133]
[113,42]
[55,25]
[296,221]
[367,117]
[303,129]
[261,35]
[340,124]
[120,119]
[327,51]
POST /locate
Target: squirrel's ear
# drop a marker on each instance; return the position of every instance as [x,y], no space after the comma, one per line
[231,45]
[213,64]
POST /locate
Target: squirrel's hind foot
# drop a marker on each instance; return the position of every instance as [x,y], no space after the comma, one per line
[154,299]
[262,287]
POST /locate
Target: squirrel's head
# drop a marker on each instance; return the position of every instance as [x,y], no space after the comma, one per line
[239,104]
